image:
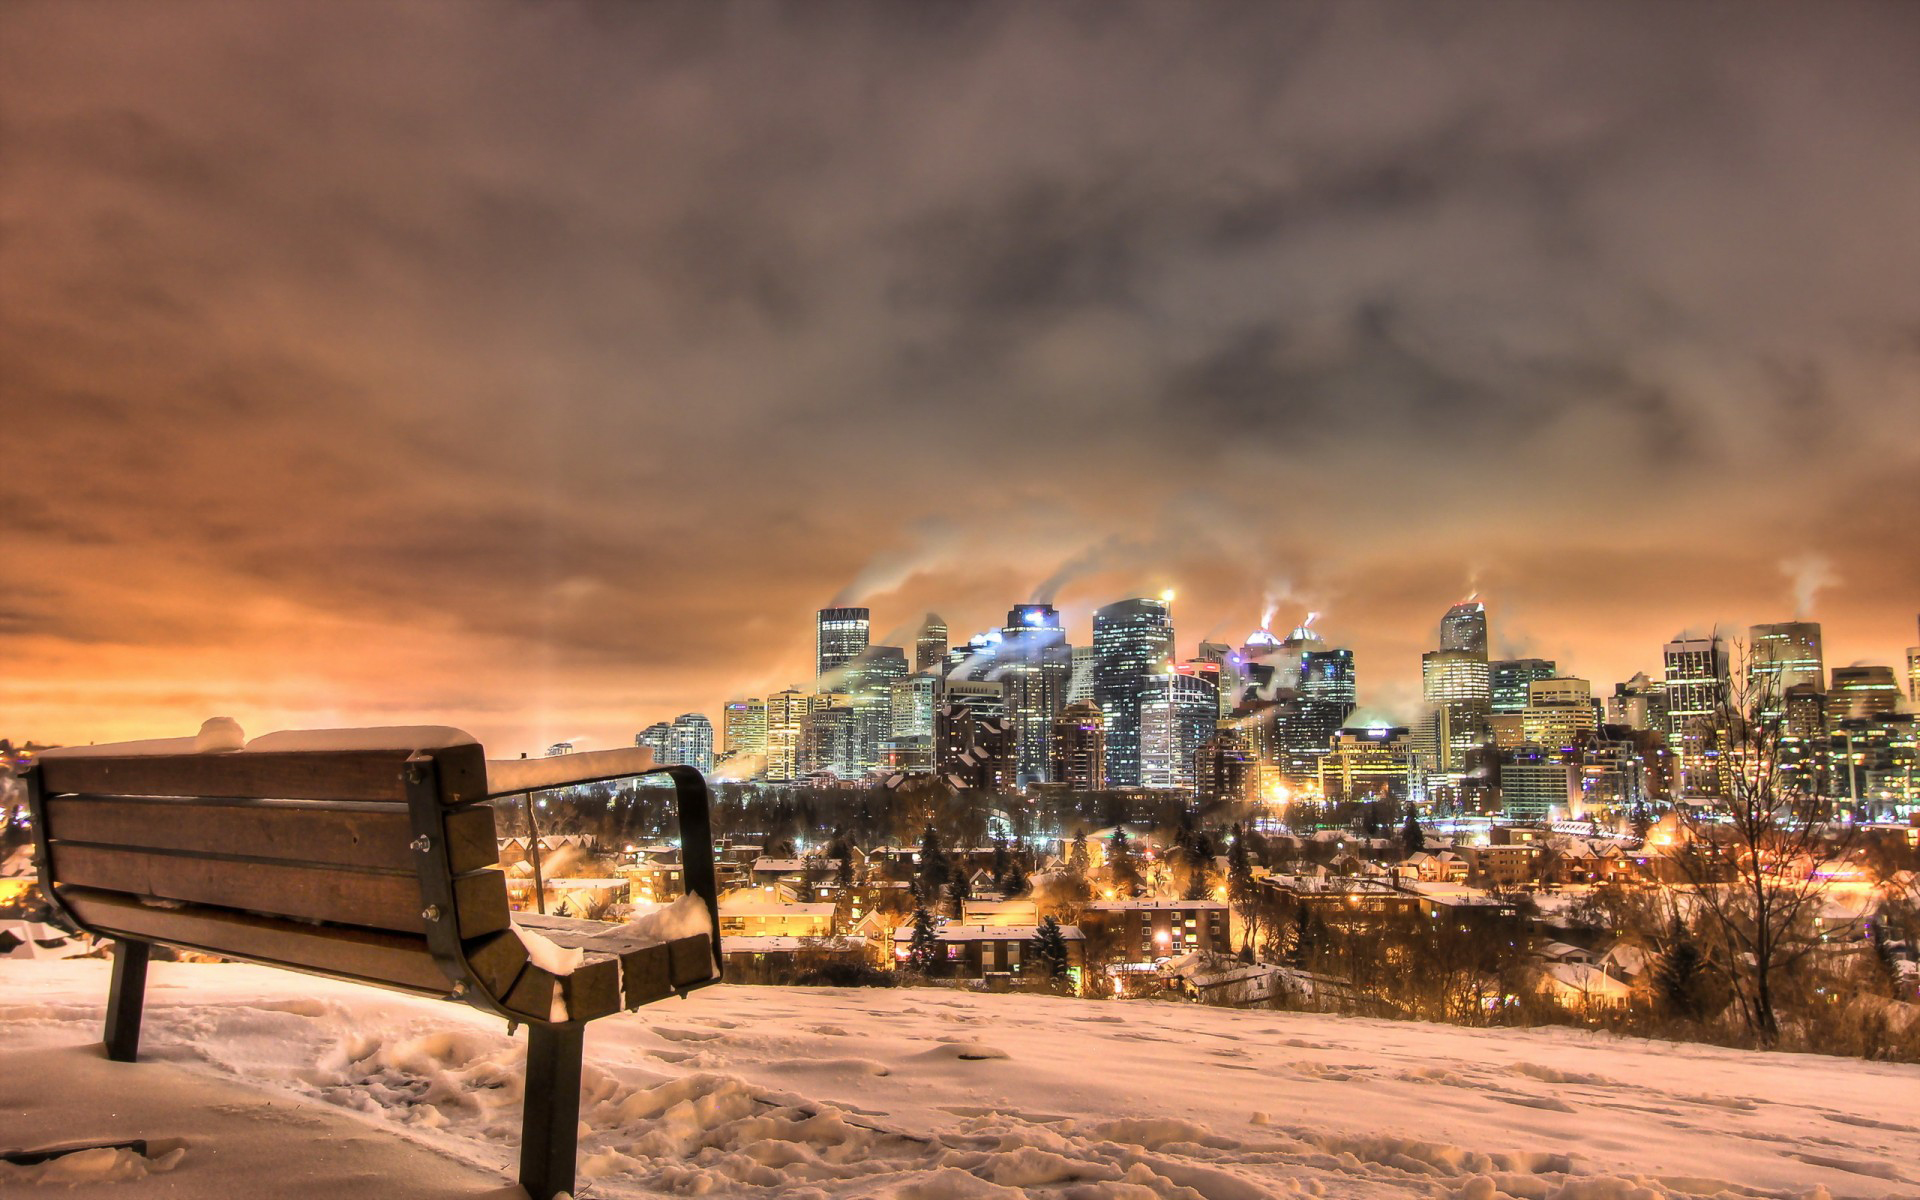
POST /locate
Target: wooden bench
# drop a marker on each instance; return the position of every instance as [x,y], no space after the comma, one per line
[374,863]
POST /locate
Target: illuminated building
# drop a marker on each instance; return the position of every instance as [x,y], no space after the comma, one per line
[930,648]
[1508,678]
[975,660]
[1863,693]
[1079,747]
[912,703]
[689,743]
[1780,656]
[1080,687]
[1132,642]
[1639,703]
[1222,655]
[787,714]
[1035,665]
[830,738]
[1327,676]
[1696,691]
[840,635]
[973,743]
[1224,770]
[657,737]
[1559,714]
[743,727]
[1456,689]
[868,681]
[1179,711]
[1537,784]
[1367,764]
[1464,628]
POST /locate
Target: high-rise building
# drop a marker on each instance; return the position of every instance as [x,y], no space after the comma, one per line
[1696,695]
[1536,784]
[743,727]
[1464,628]
[1459,699]
[830,737]
[868,682]
[1782,655]
[1863,693]
[1079,747]
[1559,716]
[973,743]
[1913,671]
[657,737]
[690,742]
[787,714]
[1080,687]
[912,703]
[1035,665]
[1508,679]
[1179,711]
[1367,764]
[840,635]
[1327,675]
[1132,642]
[976,659]
[930,647]
[1224,770]
[1639,703]
[1222,655]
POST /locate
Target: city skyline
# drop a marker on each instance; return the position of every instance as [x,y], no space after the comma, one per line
[536,369]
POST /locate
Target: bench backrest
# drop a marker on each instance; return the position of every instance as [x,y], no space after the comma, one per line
[305,859]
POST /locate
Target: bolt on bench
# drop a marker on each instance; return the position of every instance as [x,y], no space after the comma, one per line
[369,856]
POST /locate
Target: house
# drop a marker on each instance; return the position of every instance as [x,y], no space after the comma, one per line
[751,913]
[1581,987]
[1161,929]
[657,877]
[1443,867]
[1001,912]
[779,959]
[985,951]
[1220,979]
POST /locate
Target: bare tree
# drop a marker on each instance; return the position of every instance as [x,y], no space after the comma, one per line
[1751,856]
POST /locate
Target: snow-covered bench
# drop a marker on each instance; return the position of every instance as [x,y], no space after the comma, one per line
[366,855]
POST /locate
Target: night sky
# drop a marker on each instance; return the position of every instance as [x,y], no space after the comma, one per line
[539,368]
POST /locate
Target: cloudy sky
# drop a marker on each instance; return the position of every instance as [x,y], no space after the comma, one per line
[538,368]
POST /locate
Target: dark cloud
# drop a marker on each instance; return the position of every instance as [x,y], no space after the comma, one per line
[542,366]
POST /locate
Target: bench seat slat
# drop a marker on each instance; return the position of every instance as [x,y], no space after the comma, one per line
[389,959]
[375,900]
[353,834]
[266,775]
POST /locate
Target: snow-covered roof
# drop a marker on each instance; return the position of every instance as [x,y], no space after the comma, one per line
[748,904]
[778,943]
[990,933]
[1156,905]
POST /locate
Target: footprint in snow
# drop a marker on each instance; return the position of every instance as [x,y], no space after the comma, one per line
[688,1035]
[961,1052]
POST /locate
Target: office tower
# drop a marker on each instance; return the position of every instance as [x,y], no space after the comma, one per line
[1537,784]
[1179,712]
[690,742]
[743,727]
[1222,656]
[786,719]
[1696,694]
[973,743]
[1132,642]
[1459,697]
[1508,679]
[976,659]
[1639,703]
[1863,693]
[1780,656]
[830,737]
[1559,715]
[1327,676]
[1080,686]
[930,648]
[1367,764]
[1464,628]
[1224,770]
[1035,665]
[868,682]
[840,634]
[1913,671]
[1079,747]
[657,737]
[912,703]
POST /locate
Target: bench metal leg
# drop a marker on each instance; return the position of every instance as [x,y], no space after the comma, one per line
[549,1133]
[125,1000]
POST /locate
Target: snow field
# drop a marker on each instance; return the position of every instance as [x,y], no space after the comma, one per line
[923,1094]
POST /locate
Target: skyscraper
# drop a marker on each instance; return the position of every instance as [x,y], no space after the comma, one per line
[840,634]
[1081,686]
[1863,693]
[1559,715]
[1179,712]
[1035,665]
[1327,675]
[930,648]
[973,744]
[1696,692]
[1913,671]
[1132,642]
[786,718]
[690,742]
[1459,698]
[1508,678]
[1780,656]
[868,681]
[657,737]
[912,702]
[743,727]
[1223,656]
[1464,627]
[1079,747]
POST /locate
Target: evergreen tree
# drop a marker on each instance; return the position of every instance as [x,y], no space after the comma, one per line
[1680,977]
[959,891]
[1015,884]
[1078,858]
[1642,822]
[923,951]
[1121,867]
[1412,836]
[1050,949]
[999,868]
[934,869]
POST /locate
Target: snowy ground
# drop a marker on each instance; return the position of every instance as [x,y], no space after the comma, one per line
[924,1094]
